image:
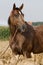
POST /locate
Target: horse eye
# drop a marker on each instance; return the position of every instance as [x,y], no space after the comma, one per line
[16,15]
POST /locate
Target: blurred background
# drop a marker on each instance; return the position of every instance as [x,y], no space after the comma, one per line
[33,13]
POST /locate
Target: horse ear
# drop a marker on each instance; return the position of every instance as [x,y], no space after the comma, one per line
[14,6]
[21,7]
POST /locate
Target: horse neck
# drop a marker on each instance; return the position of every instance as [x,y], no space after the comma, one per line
[12,30]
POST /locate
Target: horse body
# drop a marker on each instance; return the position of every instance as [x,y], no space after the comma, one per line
[34,40]
[27,46]
[38,43]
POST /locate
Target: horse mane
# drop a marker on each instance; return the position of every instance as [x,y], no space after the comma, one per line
[29,27]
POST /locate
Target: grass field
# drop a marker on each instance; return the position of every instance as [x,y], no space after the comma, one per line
[4,33]
[9,59]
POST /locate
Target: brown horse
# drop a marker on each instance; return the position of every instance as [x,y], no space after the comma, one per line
[16,20]
[27,38]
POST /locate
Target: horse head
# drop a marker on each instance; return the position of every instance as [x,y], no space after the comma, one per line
[17,18]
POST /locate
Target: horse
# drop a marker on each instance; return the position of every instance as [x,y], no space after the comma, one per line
[27,39]
[15,21]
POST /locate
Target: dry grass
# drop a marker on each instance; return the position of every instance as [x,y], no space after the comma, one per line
[9,59]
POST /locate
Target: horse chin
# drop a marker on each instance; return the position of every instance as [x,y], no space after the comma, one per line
[22,28]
